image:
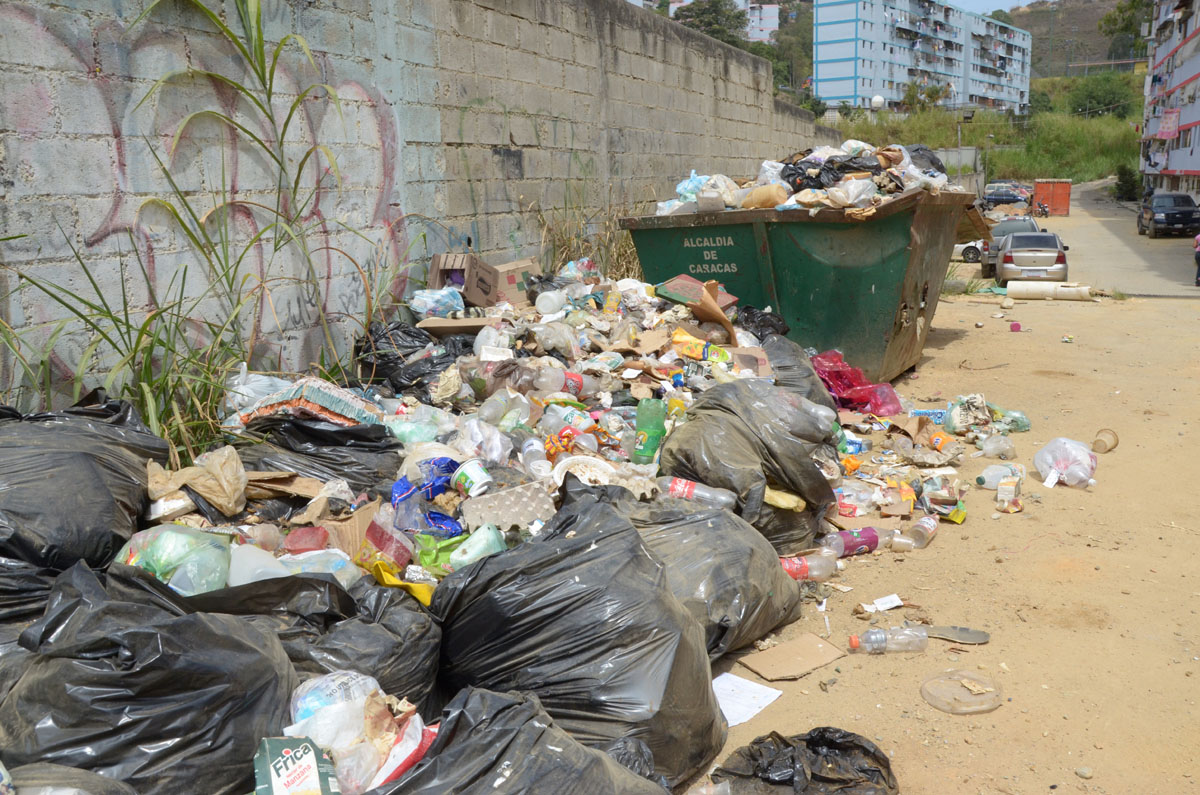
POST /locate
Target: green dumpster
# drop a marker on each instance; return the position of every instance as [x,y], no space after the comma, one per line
[866,287]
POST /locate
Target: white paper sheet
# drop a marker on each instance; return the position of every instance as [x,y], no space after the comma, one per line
[741,699]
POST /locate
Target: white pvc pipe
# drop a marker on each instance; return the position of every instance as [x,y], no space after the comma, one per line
[1056,290]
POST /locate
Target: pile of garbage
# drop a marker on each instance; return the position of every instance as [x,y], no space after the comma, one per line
[855,178]
[503,557]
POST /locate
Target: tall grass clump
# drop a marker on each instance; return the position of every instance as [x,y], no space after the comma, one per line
[170,355]
[576,230]
[1061,146]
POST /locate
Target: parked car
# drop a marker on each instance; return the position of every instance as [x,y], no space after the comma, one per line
[968,252]
[1020,223]
[1032,256]
[996,194]
[1165,213]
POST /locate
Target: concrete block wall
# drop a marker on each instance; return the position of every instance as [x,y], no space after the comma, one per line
[457,117]
[583,103]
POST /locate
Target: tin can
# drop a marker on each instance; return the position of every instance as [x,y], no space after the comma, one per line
[472,478]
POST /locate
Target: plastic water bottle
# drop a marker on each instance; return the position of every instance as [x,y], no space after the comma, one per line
[810,567]
[896,639]
[698,492]
[923,531]
[845,543]
[505,401]
[533,458]
[651,427]
[990,478]
[551,379]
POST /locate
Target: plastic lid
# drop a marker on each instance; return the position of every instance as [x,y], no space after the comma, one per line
[853,642]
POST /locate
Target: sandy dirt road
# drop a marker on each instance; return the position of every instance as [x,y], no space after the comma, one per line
[1091,597]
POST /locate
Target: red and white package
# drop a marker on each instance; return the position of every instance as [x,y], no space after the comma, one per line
[410,747]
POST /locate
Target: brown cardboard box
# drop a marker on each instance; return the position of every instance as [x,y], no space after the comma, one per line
[484,284]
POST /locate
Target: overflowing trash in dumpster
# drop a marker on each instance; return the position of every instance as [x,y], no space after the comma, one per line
[504,554]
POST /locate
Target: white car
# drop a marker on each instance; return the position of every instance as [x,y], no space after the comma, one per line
[969,252]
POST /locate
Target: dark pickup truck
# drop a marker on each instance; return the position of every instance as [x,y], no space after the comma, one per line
[1168,213]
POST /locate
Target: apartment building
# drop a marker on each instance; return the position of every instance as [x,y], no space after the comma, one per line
[868,48]
[763,17]
[1172,117]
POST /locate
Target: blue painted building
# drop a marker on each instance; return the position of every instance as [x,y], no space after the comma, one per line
[868,48]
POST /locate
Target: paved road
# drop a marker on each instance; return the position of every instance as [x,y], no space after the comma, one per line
[1107,252]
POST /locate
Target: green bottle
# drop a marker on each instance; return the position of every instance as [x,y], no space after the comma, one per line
[651,426]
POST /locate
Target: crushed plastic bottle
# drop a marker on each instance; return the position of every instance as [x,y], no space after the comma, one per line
[1067,461]
[922,531]
[999,446]
[551,379]
[895,639]
[990,478]
[817,568]
[851,542]
[691,490]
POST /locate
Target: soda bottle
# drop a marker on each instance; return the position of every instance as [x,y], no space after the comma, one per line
[551,379]
[502,403]
[651,426]
[851,542]
[923,531]
[878,641]
[810,567]
[698,492]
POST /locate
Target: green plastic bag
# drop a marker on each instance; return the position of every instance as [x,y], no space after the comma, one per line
[434,553]
[191,561]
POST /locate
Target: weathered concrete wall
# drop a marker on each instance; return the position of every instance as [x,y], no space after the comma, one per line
[456,118]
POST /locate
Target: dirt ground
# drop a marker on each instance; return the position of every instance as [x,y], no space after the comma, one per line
[1090,596]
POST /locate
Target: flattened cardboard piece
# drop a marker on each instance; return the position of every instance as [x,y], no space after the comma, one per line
[264,485]
[909,426]
[348,534]
[752,359]
[518,506]
[708,307]
[444,326]
[684,289]
[793,659]
[648,342]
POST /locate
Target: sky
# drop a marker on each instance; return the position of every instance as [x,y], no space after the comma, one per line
[986,6]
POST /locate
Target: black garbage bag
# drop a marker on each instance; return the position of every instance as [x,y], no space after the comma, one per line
[585,619]
[46,778]
[383,349]
[635,755]
[924,158]
[24,590]
[794,371]
[367,457]
[817,175]
[746,436]
[73,482]
[722,569]
[382,632]
[760,323]
[497,743]
[164,703]
[825,761]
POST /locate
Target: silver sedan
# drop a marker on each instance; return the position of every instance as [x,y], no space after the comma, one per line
[1031,256]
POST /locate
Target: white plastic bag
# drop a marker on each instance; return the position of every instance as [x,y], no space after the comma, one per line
[857,148]
[1067,461]
[853,193]
[410,746]
[326,690]
[725,187]
[436,303]
[243,389]
[688,188]
[769,173]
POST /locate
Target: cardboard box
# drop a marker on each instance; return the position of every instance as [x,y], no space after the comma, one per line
[684,289]
[484,284]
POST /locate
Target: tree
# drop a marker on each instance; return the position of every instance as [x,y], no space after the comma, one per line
[1001,15]
[663,8]
[919,98]
[815,104]
[794,40]
[721,19]
[779,67]
[1123,24]
[1127,187]
[1040,101]
[1102,94]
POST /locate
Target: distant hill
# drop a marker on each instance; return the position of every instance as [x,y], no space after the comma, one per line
[1064,30]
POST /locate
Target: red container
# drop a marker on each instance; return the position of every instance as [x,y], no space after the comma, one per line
[306,539]
[1055,193]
